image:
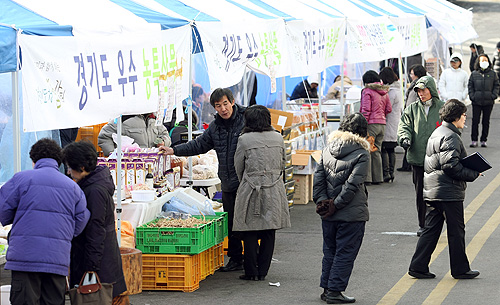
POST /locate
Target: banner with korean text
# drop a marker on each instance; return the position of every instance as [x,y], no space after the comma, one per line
[314,47]
[229,47]
[372,39]
[412,29]
[80,81]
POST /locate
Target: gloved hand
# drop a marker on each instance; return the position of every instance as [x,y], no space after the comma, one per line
[326,208]
[322,207]
[405,143]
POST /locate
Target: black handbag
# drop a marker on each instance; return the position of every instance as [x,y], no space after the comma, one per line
[97,293]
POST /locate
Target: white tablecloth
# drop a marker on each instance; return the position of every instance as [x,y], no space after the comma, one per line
[139,213]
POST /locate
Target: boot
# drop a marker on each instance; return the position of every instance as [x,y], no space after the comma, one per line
[323,295]
[336,297]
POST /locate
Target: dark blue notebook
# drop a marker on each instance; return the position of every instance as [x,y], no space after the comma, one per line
[476,162]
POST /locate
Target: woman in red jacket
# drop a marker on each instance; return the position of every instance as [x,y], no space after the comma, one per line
[375,105]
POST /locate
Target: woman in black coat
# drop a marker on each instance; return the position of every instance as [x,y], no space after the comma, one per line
[483,91]
[342,202]
[96,248]
[444,193]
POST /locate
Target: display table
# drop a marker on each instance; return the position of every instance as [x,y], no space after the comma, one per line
[139,213]
[201,184]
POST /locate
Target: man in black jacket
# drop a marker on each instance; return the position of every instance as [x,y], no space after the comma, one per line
[222,135]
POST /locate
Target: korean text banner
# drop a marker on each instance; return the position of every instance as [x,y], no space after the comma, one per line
[230,47]
[414,33]
[80,81]
[314,47]
[372,39]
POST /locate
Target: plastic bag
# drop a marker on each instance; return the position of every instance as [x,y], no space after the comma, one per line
[177,205]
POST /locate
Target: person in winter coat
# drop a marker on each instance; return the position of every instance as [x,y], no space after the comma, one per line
[389,143]
[261,205]
[475,51]
[333,93]
[139,127]
[483,91]
[496,60]
[47,210]
[417,123]
[375,105]
[222,135]
[416,71]
[96,249]
[444,192]
[175,129]
[342,202]
[307,88]
[453,81]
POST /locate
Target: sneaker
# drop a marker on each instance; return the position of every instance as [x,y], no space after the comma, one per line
[473,144]
[483,144]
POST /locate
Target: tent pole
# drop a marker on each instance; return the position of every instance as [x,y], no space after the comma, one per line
[245,88]
[283,93]
[400,68]
[190,106]
[119,180]
[16,126]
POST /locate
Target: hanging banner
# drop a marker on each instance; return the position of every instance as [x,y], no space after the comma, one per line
[315,47]
[230,47]
[414,34]
[80,81]
[372,39]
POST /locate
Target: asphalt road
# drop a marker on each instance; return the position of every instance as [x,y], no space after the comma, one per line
[379,275]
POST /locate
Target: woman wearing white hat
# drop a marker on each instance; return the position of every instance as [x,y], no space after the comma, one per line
[453,81]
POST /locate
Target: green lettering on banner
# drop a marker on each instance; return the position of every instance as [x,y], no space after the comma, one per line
[269,49]
[332,40]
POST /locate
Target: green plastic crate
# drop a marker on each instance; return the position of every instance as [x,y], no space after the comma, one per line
[221,229]
[176,240]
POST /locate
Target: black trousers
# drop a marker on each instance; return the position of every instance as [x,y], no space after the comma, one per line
[418,181]
[341,244]
[388,159]
[258,258]
[437,212]
[476,115]
[37,288]
[234,247]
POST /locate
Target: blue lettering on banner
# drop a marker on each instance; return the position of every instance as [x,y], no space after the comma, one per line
[233,48]
[105,75]
[121,68]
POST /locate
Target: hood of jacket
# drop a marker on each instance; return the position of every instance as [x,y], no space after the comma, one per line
[343,143]
[427,82]
[102,176]
[379,87]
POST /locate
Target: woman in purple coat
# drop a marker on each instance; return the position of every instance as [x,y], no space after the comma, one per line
[96,249]
[375,105]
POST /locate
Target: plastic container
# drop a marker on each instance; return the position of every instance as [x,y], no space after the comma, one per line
[5,295]
[143,195]
[182,240]
[171,272]
[211,260]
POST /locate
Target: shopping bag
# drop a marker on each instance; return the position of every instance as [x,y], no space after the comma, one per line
[91,294]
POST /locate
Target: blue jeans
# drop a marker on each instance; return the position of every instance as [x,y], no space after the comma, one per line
[341,243]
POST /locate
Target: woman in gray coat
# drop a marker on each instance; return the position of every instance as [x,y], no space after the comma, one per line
[342,202]
[261,206]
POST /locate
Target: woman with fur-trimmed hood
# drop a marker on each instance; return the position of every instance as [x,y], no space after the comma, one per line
[342,202]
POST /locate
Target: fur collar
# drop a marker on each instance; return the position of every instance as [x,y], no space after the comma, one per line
[346,136]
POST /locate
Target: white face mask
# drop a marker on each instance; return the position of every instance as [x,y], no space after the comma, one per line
[484,64]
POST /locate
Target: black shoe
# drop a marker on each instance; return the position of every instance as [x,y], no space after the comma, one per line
[323,295]
[421,275]
[389,179]
[420,231]
[336,297]
[261,277]
[248,277]
[232,266]
[467,275]
[404,169]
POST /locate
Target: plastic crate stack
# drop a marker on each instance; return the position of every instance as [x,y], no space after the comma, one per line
[177,259]
[288,174]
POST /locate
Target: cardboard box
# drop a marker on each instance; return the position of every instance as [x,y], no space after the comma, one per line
[281,119]
[304,161]
[303,189]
